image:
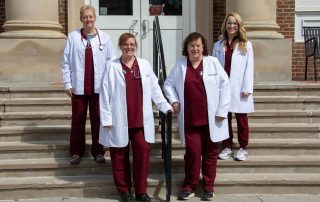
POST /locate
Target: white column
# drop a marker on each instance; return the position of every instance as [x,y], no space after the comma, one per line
[272,53]
[259,17]
[32,19]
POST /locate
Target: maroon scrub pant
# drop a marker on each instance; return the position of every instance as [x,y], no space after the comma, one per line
[243,130]
[140,163]
[198,143]
[78,124]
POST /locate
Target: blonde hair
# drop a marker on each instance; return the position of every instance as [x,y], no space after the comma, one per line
[241,34]
[87,7]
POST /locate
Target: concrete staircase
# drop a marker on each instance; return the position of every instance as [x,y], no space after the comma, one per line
[284,149]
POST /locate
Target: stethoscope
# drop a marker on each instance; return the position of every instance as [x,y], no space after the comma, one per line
[100,44]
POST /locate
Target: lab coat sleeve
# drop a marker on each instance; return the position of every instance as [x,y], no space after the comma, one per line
[156,94]
[105,97]
[169,87]
[110,51]
[247,83]
[214,50]
[65,64]
[224,92]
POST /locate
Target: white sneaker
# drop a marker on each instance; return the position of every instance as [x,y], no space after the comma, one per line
[225,154]
[241,155]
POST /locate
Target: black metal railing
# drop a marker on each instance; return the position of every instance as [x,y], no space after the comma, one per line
[159,68]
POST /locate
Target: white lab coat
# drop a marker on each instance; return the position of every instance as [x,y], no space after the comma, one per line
[241,76]
[217,89]
[73,60]
[113,104]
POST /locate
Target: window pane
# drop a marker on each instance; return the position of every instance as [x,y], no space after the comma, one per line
[165,7]
[115,7]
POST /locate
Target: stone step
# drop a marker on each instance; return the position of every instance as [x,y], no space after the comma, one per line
[63,103]
[286,102]
[288,89]
[59,149]
[32,91]
[62,167]
[257,131]
[36,104]
[64,117]
[103,186]
[284,116]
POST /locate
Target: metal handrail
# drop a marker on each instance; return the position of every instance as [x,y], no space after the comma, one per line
[165,119]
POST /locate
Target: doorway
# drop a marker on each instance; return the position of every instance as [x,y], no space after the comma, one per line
[118,16]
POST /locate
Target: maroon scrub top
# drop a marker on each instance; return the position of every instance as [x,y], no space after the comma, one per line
[88,67]
[133,95]
[195,97]
[228,56]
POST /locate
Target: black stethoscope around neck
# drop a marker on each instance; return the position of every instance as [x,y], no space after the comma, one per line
[83,34]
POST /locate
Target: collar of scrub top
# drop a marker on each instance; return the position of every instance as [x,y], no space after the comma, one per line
[84,36]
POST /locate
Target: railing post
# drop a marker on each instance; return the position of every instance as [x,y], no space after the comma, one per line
[165,120]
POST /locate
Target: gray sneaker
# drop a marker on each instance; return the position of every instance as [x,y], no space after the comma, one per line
[225,154]
[241,155]
[207,196]
[185,195]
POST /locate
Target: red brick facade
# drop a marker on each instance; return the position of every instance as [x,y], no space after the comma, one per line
[2,14]
[63,16]
[285,19]
[219,12]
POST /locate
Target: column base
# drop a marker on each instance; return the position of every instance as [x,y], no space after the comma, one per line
[31,60]
[273,59]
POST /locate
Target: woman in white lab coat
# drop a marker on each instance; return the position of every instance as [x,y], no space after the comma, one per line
[128,87]
[199,91]
[85,54]
[235,54]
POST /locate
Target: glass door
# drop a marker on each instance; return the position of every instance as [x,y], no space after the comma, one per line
[136,16]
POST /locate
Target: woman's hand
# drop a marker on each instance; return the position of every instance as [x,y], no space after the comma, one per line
[69,92]
[219,118]
[245,94]
[176,107]
[170,110]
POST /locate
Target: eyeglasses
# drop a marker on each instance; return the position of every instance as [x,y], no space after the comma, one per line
[126,45]
[230,24]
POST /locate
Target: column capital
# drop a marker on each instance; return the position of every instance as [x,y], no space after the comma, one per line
[32,19]
[259,17]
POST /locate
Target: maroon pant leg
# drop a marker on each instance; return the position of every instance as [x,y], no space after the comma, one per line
[228,143]
[210,153]
[78,124]
[121,168]
[243,129]
[95,125]
[192,158]
[141,159]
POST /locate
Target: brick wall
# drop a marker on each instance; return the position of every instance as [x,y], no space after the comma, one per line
[2,14]
[219,12]
[63,17]
[286,20]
